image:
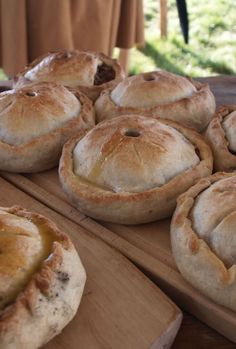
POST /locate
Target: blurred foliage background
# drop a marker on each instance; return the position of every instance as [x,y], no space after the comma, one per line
[212,40]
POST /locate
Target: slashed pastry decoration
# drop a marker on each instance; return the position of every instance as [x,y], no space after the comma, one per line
[159,94]
[203,237]
[221,134]
[35,122]
[88,71]
[131,169]
[41,279]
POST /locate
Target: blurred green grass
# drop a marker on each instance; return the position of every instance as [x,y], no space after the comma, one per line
[212,40]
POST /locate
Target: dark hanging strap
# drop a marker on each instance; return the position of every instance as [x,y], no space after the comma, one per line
[183,18]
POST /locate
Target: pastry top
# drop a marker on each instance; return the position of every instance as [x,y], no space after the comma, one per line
[150,89]
[203,237]
[221,135]
[229,126]
[72,69]
[159,94]
[26,240]
[130,169]
[35,110]
[41,279]
[24,245]
[132,154]
[214,218]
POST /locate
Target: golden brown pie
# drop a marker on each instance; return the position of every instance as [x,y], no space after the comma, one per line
[89,71]
[35,122]
[131,169]
[41,279]
[159,94]
[203,237]
[221,134]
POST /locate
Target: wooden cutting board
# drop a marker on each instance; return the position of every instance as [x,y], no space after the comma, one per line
[120,307]
[147,245]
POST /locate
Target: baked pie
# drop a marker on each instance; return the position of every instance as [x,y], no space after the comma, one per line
[159,94]
[41,279]
[221,134]
[89,71]
[131,169]
[35,122]
[203,237]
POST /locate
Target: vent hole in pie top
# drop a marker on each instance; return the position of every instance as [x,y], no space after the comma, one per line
[132,133]
[148,77]
[31,94]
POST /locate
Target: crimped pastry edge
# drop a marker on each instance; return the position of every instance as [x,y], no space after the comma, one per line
[195,111]
[198,264]
[132,208]
[224,160]
[51,298]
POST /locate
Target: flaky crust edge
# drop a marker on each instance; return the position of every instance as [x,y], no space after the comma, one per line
[132,208]
[44,152]
[224,160]
[92,92]
[198,264]
[51,298]
[195,111]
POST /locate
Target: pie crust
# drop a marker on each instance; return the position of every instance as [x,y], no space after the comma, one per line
[88,71]
[203,237]
[221,134]
[159,94]
[41,279]
[35,122]
[131,169]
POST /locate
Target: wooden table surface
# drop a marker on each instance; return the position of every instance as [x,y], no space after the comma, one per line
[193,334]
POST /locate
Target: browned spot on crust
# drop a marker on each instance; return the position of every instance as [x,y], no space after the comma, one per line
[179,219]
[43,279]
[194,245]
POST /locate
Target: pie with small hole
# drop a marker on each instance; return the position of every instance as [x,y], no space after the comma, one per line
[41,279]
[88,71]
[35,122]
[131,169]
[221,134]
[159,94]
[203,237]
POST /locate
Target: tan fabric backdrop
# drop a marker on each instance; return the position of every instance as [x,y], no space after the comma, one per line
[30,28]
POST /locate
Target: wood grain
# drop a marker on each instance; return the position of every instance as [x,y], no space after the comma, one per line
[147,245]
[120,307]
[223,88]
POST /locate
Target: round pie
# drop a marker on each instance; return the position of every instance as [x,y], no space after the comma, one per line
[131,169]
[41,279]
[35,122]
[89,71]
[221,134]
[159,94]
[203,237]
